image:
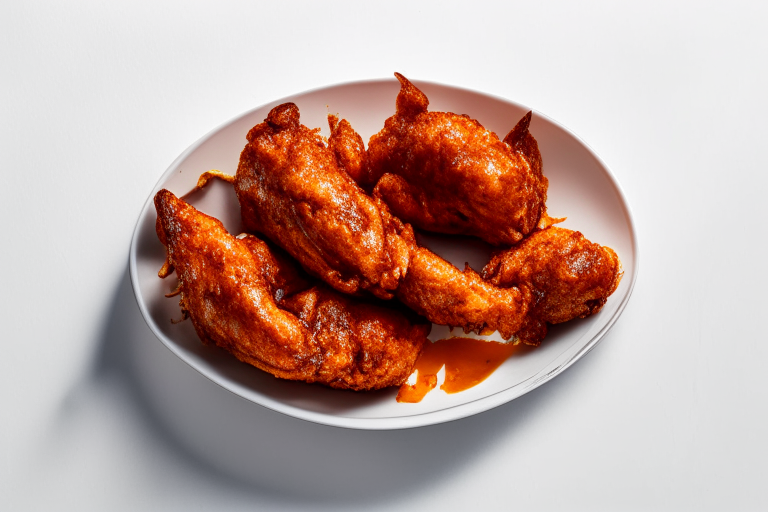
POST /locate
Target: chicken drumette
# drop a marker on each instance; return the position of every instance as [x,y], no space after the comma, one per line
[252,301]
[290,188]
[446,173]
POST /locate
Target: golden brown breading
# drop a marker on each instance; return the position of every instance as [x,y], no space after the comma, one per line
[291,189]
[444,172]
[435,288]
[348,148]
[570,277]
[251,301]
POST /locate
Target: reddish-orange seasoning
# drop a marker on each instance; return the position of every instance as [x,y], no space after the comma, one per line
[468,362]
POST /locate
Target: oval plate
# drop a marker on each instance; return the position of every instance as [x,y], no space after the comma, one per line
[581,187]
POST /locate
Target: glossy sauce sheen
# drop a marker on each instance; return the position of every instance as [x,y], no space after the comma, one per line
[468,362]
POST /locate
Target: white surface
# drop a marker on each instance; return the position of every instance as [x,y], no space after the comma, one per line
[580,185]
[667,413]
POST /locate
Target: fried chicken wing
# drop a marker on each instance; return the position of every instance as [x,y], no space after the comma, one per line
[291,189]
[250,300]
[435,288]
[569,276]
[446,173]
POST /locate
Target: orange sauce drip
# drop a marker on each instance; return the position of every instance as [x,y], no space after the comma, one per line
[467,361]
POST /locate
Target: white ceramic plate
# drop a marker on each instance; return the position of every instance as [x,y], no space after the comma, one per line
[581,187]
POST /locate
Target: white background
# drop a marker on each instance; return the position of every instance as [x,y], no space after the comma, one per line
[667,413]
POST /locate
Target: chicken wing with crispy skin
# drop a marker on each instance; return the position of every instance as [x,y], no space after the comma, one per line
[569,276]
[290,188]
[435,288]
[446,173]
[250,300]
[293,188]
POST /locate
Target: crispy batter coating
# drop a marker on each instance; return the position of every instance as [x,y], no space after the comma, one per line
[444,172]
[291,189]
[348,148]
[250,300]
[570,277]
[444,294]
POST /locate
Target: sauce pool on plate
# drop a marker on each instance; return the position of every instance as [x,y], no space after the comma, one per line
[467,361]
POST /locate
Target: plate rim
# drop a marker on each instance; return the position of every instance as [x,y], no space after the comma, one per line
[446,414]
